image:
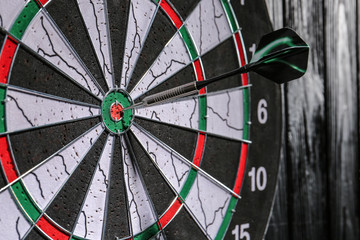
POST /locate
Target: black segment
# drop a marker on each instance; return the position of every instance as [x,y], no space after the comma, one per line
[32,73]
[221,60]
[118,12]
[183,227]
[117,225]
[221,159]
[35,234]
[184,7]
[66,207]
[32,147]
[181,140]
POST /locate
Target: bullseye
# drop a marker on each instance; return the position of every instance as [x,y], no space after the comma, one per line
[116,119]
[116,111]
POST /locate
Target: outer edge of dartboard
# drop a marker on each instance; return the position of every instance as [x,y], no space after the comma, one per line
[282,135]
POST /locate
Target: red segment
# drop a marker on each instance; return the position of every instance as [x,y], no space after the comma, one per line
[171,13]
[7,161]
[199,74]
[6,58]
[41,2]
[241,170]
[199,149]
[245,80]
[116,111]
[170,213]
[53,231]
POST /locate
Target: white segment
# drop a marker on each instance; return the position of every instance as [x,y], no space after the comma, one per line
[160,236]
[141,14]
[92,214]
[13,224]
[208,203]
[222,119]
[94,13]
[172,59]
[171,164]
[25,110]
[45,38]
[208,25]
[9,11]
[140,206]
[45,181]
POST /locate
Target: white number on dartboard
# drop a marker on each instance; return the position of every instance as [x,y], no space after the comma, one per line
[258,179]
[262,113]
[241,232]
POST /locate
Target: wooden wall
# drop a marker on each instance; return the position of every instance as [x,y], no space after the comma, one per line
[318,186]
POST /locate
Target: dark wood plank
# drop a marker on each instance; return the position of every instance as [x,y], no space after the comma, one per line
[342,115]
[306,184]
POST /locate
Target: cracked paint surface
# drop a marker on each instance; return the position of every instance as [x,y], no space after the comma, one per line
[26,109]
[9,11]
[141,210]
[45,38]
[208,203]
[172,59]
[95,18]
[171,164]
[13,224]
[47,179]
[208,25]
[90,222]
[141,15]
[185,113]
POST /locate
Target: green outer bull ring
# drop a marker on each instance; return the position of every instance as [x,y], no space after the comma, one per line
[117,126]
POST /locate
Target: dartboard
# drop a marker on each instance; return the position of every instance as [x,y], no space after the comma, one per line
[78,163]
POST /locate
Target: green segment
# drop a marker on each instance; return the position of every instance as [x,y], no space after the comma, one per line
[124,99]
[156,1]
[227,219]
[24,19]
[26,201]
[77,238]
[189,43]
[148,233]
[189,182]
[246,114]
[2,109]
[203,111]
[230,15]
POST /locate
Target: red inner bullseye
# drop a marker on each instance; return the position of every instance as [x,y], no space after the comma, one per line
[116,111]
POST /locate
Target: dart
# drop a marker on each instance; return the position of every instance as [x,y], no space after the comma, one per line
[282,56]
